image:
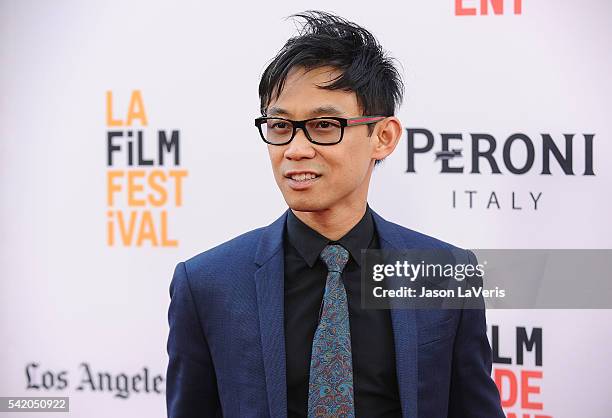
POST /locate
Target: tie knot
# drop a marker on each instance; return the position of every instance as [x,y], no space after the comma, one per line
[335,257]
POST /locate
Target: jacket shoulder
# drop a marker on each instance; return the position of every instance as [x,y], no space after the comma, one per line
[413,238]
[239,250]
[419,240]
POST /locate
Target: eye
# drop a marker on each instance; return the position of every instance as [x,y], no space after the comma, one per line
[326,125]
[279,126]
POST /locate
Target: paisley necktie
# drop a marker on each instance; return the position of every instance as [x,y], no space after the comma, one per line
[330,386]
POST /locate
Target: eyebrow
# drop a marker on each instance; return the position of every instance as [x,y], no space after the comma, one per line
[326,110]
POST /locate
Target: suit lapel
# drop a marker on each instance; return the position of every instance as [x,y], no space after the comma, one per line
[269,285]
[403,322]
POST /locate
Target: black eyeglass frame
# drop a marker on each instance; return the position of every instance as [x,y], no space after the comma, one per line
[344,122]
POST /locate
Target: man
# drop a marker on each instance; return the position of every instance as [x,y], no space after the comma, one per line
[269,324]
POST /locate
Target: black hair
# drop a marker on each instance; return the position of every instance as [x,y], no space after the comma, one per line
[325,39]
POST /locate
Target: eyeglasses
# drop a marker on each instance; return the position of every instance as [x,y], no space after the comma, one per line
[320,131]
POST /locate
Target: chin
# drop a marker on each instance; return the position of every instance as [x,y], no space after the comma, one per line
[305,205]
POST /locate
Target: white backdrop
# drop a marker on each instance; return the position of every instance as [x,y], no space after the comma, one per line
[72,302]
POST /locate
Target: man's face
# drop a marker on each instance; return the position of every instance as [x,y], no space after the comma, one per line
[342,170]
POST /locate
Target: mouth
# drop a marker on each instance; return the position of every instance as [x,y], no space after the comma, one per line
[301,180]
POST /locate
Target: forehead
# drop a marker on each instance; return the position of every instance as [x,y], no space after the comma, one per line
[302,95]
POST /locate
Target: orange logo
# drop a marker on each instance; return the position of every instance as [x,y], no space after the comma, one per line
[141,190]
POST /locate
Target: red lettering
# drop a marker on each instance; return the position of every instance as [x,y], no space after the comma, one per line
[526,389]
[463,11]
[510,388]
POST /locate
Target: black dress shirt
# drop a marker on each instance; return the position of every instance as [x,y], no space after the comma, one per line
[373,353]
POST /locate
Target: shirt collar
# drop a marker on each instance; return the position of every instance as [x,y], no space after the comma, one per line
[309,243]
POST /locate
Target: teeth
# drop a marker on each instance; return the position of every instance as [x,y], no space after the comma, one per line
[303,176]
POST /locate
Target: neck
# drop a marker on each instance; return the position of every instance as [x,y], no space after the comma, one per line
[333,223]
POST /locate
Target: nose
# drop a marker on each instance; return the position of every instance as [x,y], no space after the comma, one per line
[300,147]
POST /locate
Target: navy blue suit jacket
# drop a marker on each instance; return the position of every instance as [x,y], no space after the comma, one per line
[226,343]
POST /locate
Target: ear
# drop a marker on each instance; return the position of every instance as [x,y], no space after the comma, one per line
[387,135]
